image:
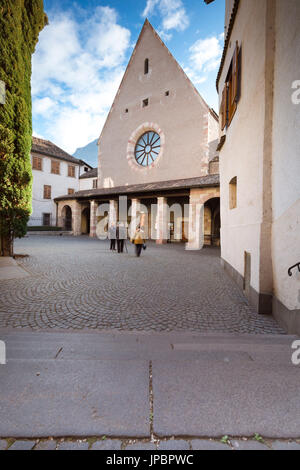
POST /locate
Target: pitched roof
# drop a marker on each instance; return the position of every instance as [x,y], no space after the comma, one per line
[89,174]
[45,147]
[200,182]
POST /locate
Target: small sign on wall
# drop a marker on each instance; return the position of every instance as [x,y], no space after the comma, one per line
[2,92]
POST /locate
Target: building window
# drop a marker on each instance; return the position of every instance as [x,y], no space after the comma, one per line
[86,168]
[145,102]
[37,163]
[95,184]
[55,167]
[232,89]
[147,148]
[47,191]
[71,191]
[126,110]
[167,93]
[233,193]
[71,171]
[47,220]
[146,66]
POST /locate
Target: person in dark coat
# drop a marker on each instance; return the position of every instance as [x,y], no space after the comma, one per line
[121,236]
[112,237]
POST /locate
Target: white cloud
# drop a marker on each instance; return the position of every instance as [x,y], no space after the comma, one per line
[206,53]
[204,58]
[77,68]
[172,12]
[43,105]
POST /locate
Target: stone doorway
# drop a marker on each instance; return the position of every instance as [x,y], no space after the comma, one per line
[212,222]
[85,221]
[67,218]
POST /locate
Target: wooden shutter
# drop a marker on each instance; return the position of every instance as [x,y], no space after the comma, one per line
[239,76]
[223,110]
[235,70]
[47,192]
[71,171]
[55,167]
[71,191]
[36,163]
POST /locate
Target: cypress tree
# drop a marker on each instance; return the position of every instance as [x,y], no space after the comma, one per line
[20,24]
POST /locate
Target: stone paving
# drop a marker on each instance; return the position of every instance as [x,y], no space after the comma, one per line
[185,445]
[77,283]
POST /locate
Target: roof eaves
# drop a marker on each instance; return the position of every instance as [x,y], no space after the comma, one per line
[227,39]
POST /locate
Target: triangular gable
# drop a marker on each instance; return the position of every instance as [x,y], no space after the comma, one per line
[147,25]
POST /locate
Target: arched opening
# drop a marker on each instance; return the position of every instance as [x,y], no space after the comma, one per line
[67,218]
[233,193]
[85,221]
[212,222]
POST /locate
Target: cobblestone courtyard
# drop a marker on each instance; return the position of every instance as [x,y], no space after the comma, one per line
[78,283]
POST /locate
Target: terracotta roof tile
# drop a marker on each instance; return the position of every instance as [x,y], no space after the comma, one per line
[45,147]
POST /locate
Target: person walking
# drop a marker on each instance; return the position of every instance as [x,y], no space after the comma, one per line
[112,237]
[139,241]
[121,235]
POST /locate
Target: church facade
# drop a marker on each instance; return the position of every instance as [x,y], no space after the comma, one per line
[157,155]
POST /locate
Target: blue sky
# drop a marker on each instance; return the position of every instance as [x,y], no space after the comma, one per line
[83,52]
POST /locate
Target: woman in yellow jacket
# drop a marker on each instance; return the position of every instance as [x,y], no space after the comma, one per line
[138,241]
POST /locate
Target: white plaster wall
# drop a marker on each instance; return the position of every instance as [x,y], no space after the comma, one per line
[286,155]
[86,183]
[242,153]
[59,187]
[182,117]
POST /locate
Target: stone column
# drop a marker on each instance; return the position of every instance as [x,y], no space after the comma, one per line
[93,218]
[196,222]
[162,230]
[113,212]
[76,219]
[135,209]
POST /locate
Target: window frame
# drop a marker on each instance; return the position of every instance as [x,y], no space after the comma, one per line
[146,66]
[47,191]
[44,215]
[73,167]
[55,167]
[233,193]
[36,158]
[232,89]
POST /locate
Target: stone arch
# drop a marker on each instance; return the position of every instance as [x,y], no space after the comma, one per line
[212,221]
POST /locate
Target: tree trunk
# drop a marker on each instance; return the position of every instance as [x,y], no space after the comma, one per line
[6,246]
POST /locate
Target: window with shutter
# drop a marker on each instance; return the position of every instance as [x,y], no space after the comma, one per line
[55,167]
[95,184]
[232,89]
[71,171]
[223,110]
[71,191]
[37,163]
[47,191]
